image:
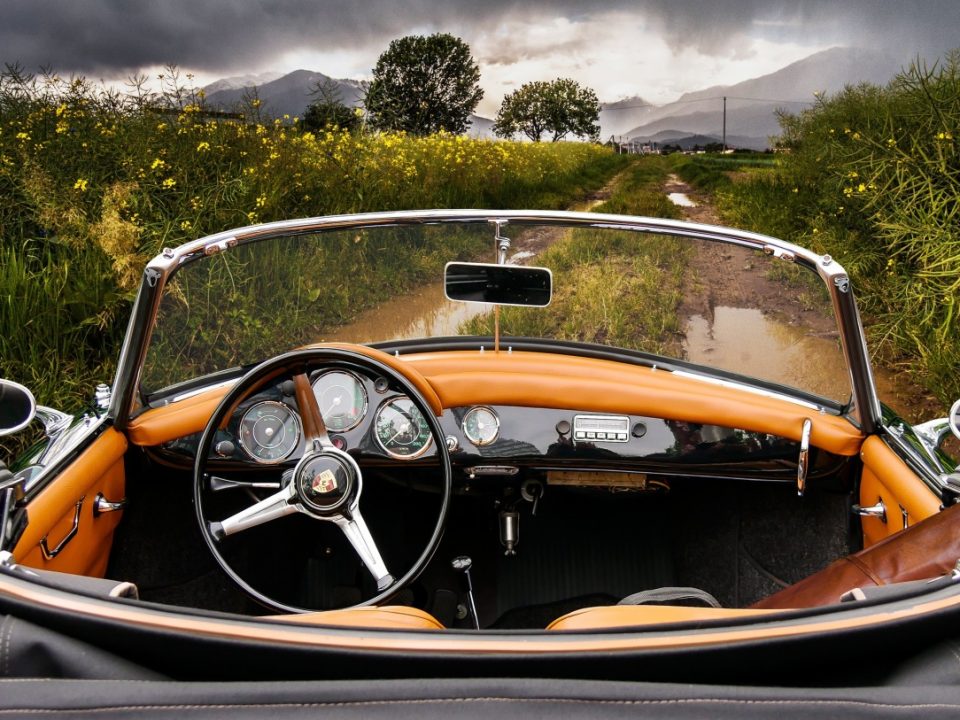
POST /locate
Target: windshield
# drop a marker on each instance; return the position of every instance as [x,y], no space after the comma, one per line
[714,304]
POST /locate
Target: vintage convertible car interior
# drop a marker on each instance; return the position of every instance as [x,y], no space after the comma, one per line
[566,431]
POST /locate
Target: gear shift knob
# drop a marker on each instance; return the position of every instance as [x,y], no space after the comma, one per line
[463,563]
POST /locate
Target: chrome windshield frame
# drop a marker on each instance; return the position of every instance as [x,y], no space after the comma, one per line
[866,406]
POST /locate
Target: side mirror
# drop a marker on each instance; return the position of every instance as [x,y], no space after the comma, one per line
[954,419]
[17,407]
[498,284]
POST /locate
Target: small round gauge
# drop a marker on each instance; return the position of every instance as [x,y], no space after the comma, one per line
[342,399]
[401,429]
[481,426]
[269,432]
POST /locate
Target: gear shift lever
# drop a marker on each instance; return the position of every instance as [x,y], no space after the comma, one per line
[463,563]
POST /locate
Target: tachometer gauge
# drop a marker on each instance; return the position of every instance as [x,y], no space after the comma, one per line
[342,399]
[481,426]
[269,432]
[401,430]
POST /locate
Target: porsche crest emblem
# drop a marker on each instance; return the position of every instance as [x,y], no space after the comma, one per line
[324,482]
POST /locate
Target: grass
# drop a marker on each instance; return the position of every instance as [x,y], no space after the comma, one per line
[95,183]
[871,176]
[616,288]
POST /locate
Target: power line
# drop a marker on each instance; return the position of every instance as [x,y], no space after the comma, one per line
[706,99]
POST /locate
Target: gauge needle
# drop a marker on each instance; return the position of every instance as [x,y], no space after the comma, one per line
[336,401]
[403,428]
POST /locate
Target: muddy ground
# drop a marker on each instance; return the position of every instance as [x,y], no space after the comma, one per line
[731,280]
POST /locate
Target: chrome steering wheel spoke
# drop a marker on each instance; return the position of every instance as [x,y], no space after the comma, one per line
[278,505]
[357,532]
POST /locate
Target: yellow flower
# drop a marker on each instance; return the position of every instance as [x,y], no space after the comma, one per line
[261,200]
[81,185]
[186,225]
[157,163]
[861,188]
[23,136]
[62,127]
[203,146]
[256,103]
[169,183]
[61,109]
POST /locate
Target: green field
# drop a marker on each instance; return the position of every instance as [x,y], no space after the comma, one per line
[96,183]
[872,177]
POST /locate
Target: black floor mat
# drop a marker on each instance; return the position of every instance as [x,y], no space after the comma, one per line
[587,543]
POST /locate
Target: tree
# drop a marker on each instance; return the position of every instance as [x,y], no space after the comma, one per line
[561,107]
[423,85]
[329,109]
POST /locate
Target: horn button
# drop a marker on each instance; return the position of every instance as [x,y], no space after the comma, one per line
[325,482]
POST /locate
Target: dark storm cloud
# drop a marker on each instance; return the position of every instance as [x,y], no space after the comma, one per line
[111,37]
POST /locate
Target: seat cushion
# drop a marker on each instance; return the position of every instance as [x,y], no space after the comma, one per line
[623,616]
[389,617]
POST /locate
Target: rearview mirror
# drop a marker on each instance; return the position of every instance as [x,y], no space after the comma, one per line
[17,407]
[498,284]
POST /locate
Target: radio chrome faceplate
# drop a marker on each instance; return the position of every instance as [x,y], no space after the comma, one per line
[602,428]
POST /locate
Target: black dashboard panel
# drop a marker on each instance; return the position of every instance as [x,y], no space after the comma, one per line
[535,439]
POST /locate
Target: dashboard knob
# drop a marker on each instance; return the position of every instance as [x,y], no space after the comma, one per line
[563,427]
[224,448]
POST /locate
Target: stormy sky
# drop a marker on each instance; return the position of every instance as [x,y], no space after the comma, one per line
[656,49]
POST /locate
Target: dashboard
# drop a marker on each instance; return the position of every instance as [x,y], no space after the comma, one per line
[376,424]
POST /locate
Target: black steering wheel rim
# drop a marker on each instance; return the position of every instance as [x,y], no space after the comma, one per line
[306,360]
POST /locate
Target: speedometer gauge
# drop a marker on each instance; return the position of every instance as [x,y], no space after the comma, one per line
[269,432]
[401,429]
[342,399]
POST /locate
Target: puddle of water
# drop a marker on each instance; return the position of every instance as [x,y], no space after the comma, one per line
[424,313]
[681,199]
[745,341]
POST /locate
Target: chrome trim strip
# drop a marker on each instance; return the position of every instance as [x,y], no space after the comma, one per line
[749,389]
[49,554]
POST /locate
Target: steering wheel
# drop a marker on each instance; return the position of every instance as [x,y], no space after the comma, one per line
[326,484]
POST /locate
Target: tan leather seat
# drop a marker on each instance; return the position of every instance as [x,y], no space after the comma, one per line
[622,616]
[926,550]
[389,617]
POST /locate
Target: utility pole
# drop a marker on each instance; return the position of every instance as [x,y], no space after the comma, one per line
[724,123]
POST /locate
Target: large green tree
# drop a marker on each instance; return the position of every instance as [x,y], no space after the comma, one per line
[559,108]
[423,85]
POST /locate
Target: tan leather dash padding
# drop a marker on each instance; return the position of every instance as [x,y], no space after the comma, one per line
[624,616]
[99,469]
[189,416]
[388,617]
[888,478]
[530,379]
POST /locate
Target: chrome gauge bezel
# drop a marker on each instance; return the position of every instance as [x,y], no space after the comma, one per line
[478,441]
[293,446]
[380,444]
[363,391]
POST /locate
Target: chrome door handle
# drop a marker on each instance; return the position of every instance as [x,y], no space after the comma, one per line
[878,511]
[102,505]
[45,548]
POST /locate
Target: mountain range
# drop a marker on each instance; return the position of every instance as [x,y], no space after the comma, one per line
[751,115]
[752,104]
